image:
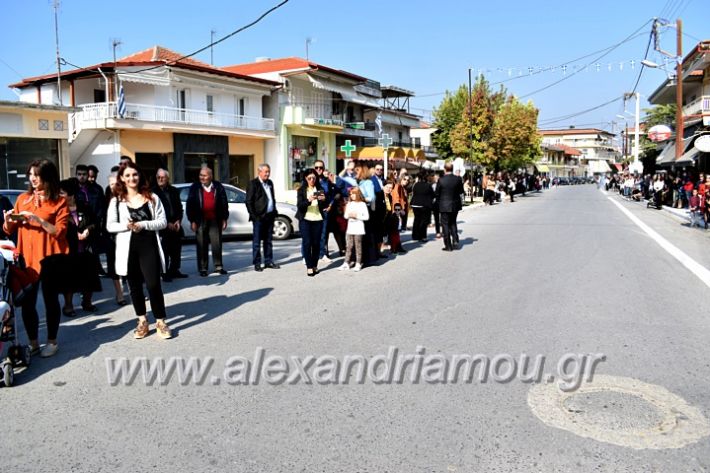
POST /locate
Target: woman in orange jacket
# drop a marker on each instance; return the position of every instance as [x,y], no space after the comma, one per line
[40,218]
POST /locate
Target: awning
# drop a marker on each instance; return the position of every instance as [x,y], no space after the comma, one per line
[413,153]
[378,152]
[667,156]
[618,167]
[598,166]
[542,168]
[348,94]
[689,157]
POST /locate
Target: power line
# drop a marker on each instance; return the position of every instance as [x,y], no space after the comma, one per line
[576,114]
[213,43]
[628,38]
[645,56]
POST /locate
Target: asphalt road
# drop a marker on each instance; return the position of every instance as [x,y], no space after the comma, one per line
[560,272]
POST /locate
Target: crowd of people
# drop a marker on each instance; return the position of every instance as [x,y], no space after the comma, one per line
[61,229]
[682,190]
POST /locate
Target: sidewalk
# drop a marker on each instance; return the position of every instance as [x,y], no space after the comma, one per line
[681,215]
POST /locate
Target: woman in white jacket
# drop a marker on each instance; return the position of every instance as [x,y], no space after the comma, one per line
[136,215]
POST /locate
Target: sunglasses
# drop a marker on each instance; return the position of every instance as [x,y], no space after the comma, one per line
[319,167]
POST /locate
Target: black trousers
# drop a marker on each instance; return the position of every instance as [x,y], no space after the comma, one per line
[263,233]
[144,266]
[209,233]
[422,217]
[437,220]
[172,250]
[311,234]
[448,224]
[30,317]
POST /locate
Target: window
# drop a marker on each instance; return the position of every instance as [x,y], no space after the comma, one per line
[242,107]
[99,95]
[210,103]
[302,155]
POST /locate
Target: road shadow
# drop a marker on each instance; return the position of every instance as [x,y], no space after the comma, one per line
[185,315]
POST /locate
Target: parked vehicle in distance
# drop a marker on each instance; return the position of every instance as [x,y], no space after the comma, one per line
[238,223]
[562,181]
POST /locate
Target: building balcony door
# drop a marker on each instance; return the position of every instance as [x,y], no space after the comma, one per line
[195,161]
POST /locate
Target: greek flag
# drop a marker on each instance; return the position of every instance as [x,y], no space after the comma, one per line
[121,102]
[378,122]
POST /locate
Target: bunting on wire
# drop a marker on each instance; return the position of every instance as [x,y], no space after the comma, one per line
[564,69]
[121,103]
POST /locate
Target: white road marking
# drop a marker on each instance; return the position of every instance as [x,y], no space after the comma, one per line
[696,268]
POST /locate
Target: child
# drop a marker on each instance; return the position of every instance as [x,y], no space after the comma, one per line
[356,212]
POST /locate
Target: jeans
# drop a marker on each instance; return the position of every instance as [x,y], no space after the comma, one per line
[324,237]
[263,231]
[310,241]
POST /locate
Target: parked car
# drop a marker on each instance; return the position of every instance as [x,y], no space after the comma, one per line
[12,194]
[563,181]
[238,223]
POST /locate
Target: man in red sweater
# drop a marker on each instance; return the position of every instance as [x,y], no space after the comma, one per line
[207,210]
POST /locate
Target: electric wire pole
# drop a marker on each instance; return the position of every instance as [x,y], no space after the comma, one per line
[56,42]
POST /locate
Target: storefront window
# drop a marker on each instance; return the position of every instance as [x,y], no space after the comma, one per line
[302,155]
[17,153]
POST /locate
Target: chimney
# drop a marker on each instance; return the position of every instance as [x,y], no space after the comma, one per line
[262,59]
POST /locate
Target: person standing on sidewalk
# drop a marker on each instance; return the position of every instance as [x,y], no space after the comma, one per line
[310,203]
[208,211]
[448,194]
[329,193]
[171,236]
[261,205]
[138,218]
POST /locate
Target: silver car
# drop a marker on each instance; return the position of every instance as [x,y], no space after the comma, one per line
[238,222]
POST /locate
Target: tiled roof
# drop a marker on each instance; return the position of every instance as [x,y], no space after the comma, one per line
[573,131]
[161,54]
[569,151]
[153,56]
[287,64]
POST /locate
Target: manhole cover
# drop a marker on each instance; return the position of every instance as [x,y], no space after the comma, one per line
[621,411]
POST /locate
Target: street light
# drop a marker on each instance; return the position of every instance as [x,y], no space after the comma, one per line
[636,166]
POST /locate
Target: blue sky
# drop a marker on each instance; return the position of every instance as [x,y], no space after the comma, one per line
[424,46]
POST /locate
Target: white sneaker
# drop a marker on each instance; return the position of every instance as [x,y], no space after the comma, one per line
[49,350]
[357,267]
[325,259]
[344,267]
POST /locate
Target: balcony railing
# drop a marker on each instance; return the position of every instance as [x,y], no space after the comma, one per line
[395,144]
[157,114]
[699,106]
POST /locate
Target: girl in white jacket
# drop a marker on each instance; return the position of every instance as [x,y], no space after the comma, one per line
[356,212]
[136,215]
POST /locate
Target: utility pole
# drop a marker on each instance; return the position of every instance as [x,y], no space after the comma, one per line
[56,42]
[212,33]
[308,42]
[114,44]
[470,118]
[679,91]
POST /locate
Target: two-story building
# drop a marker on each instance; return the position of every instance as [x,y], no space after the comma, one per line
[29,132]
[696,109]
[596,146]
[162,110]
[560,161]
[313,106]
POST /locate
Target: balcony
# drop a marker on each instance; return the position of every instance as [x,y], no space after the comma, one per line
[395,144]
[699,106]
[312,114]
[105,115]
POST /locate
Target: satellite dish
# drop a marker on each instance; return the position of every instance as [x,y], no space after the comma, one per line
[659,133]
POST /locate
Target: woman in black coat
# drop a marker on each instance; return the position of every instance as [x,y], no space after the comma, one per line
[421,203]
[311,205]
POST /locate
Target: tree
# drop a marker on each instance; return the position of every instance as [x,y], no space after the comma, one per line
[656,115]
[471,136]
[446,117]
[515,141]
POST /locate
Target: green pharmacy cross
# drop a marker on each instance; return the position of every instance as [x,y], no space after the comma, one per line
[385,141]
[348,148]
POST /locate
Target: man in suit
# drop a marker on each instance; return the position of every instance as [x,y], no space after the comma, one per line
[261,205]
[379,209]
[170,237]
[448,195]
[207,210]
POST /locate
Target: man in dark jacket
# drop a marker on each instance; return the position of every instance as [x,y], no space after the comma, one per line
[448,195]
[170,237]
[261,205]
[208,210]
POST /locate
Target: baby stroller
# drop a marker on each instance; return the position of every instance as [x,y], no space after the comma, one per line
[17,355]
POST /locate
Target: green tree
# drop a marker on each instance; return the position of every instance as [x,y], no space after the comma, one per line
[471,136]
[515,141]
[656,115]
[446,116]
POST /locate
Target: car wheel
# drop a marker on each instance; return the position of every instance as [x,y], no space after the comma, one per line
[282,228]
